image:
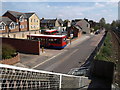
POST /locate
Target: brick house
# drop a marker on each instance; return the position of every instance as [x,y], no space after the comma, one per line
[48,23]
[33,21]
[19,18]
[85,26]
[7,25]
[60,21]
[75,30]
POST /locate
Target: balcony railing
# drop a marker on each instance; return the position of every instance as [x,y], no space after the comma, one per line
[12,77]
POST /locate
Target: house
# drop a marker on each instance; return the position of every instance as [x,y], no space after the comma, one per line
[33,21]
[74,30]
[19,18]
[60,22]
[67,23]
[7,25]
[85,26]
[49,23]
[75,21]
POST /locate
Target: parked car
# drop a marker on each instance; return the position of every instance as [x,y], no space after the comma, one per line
[97,32]
[79,71]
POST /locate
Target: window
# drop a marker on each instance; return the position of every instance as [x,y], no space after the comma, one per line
[87,25]
[21,19]
[31,20]
[64,40]
[2,26]
[21,26]
[34,20]
[12,26]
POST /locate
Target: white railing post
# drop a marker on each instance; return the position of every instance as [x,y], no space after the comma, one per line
[60,83]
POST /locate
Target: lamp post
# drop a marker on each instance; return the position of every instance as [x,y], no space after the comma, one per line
[8,31]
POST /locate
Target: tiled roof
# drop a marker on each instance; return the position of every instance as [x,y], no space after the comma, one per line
[17,14]
[6,20]
[60,21]
[48,21]
[29,14]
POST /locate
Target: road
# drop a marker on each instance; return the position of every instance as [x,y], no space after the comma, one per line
[72,56]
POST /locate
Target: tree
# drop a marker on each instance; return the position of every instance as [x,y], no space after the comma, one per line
[113,25]
[107,26]
[96,27]
[118,24]
[102,22]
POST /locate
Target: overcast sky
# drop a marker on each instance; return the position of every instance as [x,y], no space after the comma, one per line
[66,10]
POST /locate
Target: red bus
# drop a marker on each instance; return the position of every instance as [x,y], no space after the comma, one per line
[49,41]
[50,32]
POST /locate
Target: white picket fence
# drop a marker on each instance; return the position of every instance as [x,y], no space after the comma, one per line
[12,77]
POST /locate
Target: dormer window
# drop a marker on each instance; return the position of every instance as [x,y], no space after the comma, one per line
[21,19]
[2,26]
[12,26]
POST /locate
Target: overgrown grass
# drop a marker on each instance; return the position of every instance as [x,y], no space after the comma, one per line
[106,50]
[7,51]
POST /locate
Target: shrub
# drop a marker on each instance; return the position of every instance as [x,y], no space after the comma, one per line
[7,51]
[106,50]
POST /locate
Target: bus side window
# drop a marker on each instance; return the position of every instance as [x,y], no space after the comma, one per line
[64,39]
[40,39]
[32,38]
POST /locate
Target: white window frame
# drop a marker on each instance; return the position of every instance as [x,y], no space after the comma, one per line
[2,26]
[13,26]
[21,19]
[20,26]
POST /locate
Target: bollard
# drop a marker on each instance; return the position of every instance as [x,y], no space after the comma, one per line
[70,39]
[42,49]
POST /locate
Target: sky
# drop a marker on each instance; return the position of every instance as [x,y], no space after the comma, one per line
[66,10]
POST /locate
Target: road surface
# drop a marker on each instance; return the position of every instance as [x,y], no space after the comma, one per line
[72,56]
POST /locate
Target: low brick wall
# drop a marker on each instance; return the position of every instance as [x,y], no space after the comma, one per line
[23,45]
[11,61]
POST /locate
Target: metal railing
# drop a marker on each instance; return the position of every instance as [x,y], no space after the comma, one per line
[12,77]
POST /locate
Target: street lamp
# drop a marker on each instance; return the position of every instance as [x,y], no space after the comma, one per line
[8,31]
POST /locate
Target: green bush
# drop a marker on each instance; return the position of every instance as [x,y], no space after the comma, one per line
[42,27]
[106,50]
[7,51]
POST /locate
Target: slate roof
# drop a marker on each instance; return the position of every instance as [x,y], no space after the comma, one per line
[29,14]
[17,14]
[60,21]
[6,20]
[48,21]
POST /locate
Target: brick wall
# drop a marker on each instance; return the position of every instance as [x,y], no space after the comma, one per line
[11,61]
[23,45]
[24,23]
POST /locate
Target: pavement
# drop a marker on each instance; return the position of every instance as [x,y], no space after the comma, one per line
[61,61]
